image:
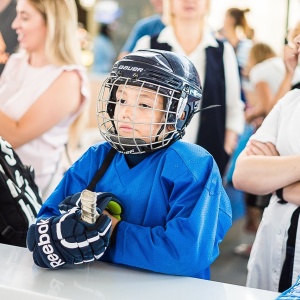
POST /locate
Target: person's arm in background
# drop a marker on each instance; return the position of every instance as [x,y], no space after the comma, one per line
[260,170]
[270,172]
[60,99]
[291,193]
[291,62]
[235,119]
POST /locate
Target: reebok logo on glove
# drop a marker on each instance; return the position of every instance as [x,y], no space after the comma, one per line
[66,239]
[45,242]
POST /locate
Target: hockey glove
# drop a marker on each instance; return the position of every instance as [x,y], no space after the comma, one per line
[105,201]
[68,240]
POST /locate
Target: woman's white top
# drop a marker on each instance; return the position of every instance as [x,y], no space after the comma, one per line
[281,128]
[270,71]
[21,85]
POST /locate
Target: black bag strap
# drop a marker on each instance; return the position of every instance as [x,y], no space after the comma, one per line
[9,235]
[108,159]
[286,276]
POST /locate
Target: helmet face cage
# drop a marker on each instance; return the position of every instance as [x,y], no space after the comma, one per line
[149,125]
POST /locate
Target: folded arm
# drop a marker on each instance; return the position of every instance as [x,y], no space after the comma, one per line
[260,170]
[61,99]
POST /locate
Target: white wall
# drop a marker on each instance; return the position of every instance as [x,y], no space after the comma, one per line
[267,17]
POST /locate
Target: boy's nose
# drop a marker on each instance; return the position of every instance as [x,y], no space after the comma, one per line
[128,112]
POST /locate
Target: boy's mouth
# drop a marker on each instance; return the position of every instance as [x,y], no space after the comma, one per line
[126,128]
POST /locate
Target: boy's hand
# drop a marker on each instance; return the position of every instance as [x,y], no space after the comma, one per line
[68,240]
[105,201]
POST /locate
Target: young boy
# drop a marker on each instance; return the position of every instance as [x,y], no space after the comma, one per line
[175,211]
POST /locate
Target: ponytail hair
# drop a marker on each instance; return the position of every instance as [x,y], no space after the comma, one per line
[240,20]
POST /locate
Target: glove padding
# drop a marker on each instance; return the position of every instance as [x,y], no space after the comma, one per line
[68,240]
[107,201]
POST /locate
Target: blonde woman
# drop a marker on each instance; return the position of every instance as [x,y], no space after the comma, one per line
[215,129]
[43,88]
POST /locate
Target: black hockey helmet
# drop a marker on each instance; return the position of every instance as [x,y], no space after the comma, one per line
[166,73]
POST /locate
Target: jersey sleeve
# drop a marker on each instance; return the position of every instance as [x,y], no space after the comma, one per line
[199,215]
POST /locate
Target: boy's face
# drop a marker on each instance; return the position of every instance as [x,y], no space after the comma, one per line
[139,113]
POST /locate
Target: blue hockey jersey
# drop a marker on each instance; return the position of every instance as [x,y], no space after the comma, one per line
[175,209]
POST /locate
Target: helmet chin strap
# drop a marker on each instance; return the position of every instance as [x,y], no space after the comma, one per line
[136,145]
[159,132]
[130,145]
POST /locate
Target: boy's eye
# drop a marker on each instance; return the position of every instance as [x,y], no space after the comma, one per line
[145,105]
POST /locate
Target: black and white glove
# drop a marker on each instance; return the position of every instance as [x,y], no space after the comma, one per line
[66,239]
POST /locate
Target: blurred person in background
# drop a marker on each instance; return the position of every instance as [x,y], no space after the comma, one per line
[292,70]
[86,45]
[215,129]
[43,88]
[106,14]
[146,26]
[266,73]
[239,34]
[270,164]
[8,37]
[270,80]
